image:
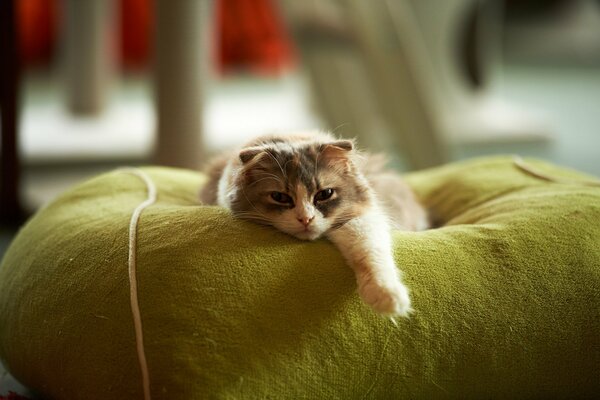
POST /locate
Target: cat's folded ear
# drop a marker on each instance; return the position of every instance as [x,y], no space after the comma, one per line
[338,154]
[344,144]
[337,149]
[248,154]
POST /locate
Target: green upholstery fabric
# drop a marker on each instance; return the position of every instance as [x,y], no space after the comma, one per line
[507,296]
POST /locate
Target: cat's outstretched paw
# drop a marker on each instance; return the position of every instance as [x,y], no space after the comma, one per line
[388,298]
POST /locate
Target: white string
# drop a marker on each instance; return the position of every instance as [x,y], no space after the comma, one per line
[523,166]
[135,307]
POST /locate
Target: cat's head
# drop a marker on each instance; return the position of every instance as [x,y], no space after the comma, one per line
[303,188]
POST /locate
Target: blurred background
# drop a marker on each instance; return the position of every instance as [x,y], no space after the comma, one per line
[88,86]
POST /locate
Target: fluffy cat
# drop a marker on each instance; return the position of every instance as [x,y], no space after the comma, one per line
[310,185]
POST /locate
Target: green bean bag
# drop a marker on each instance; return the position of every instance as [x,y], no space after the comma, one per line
[506,293]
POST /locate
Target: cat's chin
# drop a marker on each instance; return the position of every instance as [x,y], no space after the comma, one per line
[306,235]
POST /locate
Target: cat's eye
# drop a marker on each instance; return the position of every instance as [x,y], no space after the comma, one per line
[324,194]
[281,198]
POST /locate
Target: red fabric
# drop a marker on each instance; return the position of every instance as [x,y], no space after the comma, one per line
[250,34]
[137,26]
[251,37]
[37,24]
[36,29]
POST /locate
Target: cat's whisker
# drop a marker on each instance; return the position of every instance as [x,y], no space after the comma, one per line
[252,204]
[261,173]
[255,219]
[339,126]
[275,159]
[317,164]
[250,215]
[244,214]
[262,179]
[286,163]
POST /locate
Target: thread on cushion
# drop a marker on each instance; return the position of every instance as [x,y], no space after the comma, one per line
[523,166]
[133,292]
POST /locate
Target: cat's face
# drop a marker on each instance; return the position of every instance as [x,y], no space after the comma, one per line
[303,189]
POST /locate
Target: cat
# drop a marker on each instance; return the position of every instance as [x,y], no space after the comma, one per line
[310,185]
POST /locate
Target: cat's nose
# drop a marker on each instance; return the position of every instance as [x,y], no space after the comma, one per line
[306,220]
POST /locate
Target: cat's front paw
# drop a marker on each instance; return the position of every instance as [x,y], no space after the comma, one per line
[387,298]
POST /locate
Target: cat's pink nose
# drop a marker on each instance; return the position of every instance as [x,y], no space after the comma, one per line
[305,220]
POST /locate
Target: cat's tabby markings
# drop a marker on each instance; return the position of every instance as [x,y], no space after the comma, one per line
[311,184]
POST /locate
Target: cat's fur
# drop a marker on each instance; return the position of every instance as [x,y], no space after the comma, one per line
[365,202]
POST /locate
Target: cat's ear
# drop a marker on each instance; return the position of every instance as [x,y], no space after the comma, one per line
[248,154]
[347,145]
[337,149]
[338,154]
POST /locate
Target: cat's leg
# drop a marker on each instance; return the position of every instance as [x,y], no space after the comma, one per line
[366,245]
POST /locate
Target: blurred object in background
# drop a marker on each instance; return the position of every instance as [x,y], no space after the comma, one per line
[251,37]
[423,80]
[114,119]
[552,62]
[183,44]
[79,106]
[37,31]
[137,30]
[557,32]
[39,28]
[463,40]
[88,54]
[414,75]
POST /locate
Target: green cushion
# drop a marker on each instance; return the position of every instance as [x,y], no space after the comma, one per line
[507,296]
